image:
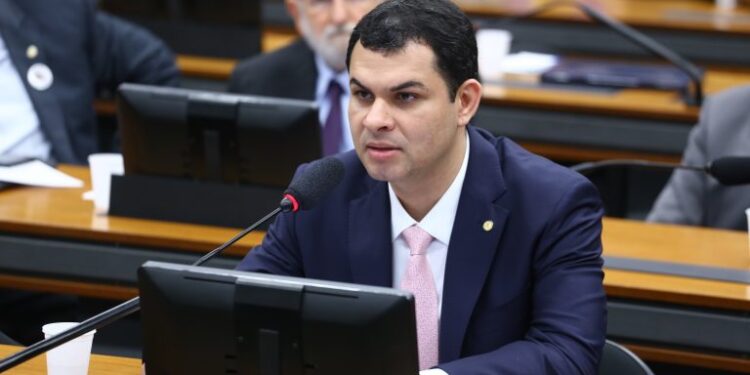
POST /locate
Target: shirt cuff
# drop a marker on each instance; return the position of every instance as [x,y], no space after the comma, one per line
[433,371]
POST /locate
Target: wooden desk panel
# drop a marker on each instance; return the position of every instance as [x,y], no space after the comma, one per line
[634,103]
[694,29]
[63,213]
[688,15]
[99,364]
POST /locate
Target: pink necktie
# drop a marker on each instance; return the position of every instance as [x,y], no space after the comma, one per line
[419,281]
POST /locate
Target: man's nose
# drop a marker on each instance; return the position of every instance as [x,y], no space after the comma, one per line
[378,117]
[339,12]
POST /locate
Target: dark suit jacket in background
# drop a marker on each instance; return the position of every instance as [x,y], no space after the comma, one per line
[87,51]
[694,198]
[523,298]
[289,72]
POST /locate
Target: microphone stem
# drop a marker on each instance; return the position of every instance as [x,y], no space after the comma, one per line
[109,316]
[649,44]
[236,238]
[652,46]
[585,167]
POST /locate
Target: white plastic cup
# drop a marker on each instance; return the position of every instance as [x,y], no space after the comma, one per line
[726,5]
[71,358]
[103,166]
[492,45]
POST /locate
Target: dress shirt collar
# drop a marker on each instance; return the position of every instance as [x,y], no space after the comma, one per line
[439,220]
[325,75]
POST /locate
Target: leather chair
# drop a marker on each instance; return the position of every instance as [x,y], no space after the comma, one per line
[618,360]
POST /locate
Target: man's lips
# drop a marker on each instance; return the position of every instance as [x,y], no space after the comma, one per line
[381,150]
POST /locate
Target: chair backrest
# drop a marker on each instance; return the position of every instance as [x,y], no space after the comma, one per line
[6,340]
[618,360]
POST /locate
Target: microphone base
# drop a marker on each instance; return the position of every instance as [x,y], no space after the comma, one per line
[197,202]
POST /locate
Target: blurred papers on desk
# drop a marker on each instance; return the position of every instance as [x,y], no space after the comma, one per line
[544,68]
[37,173]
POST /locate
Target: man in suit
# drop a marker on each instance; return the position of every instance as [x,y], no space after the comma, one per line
[54,58]
[697,199]
[500,247]
[312,68]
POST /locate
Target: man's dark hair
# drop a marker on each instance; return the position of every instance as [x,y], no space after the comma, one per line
[438,24]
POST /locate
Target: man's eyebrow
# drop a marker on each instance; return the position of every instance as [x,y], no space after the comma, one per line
[399,87]
[358,83]
[407,85]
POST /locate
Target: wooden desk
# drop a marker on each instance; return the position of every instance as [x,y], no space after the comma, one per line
[50,240]
[99,364]
[663,14]
[92,255]
[576,125]
[693,28]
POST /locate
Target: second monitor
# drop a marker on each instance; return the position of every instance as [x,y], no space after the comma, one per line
[208,157]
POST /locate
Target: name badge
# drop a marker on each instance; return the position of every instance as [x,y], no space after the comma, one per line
[40,76]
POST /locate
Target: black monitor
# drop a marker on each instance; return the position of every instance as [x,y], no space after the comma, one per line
[211,136]
[199,320]
[208,157]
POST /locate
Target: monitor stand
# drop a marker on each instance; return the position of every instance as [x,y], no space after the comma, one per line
[197,202]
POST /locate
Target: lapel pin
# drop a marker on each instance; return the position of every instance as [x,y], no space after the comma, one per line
[32,52]
[487,226]
[39,76]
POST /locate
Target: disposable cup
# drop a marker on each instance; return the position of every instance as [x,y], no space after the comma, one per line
[103,166]
[71,358]
[492,45]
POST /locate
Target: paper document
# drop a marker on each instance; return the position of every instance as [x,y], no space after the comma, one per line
[37,173]
[527,63]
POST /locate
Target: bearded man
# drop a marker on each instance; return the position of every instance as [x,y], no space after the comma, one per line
[313,68]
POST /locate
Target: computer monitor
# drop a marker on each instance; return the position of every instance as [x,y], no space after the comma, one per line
[199,320]
[216,137]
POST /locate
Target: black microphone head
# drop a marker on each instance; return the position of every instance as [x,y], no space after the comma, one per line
[310,185]
[731,170]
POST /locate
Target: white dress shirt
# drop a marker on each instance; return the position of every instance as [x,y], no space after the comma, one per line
[439,224]
[20,135]
[325,75]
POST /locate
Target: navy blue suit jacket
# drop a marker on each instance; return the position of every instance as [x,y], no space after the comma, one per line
[88,52]
[288,72]
[524,298]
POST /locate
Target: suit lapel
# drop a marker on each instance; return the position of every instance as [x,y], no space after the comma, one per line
[472,247]
[19,32]
[305,75]
[370,247]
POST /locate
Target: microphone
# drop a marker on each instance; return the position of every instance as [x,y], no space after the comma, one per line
[731,170]
[306,190]
[728,170]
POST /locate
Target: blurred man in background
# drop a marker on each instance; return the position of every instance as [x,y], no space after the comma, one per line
[312,68]
[54,58]
[693,198]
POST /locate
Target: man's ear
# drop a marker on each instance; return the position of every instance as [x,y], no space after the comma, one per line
[293,8]
[468,96]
